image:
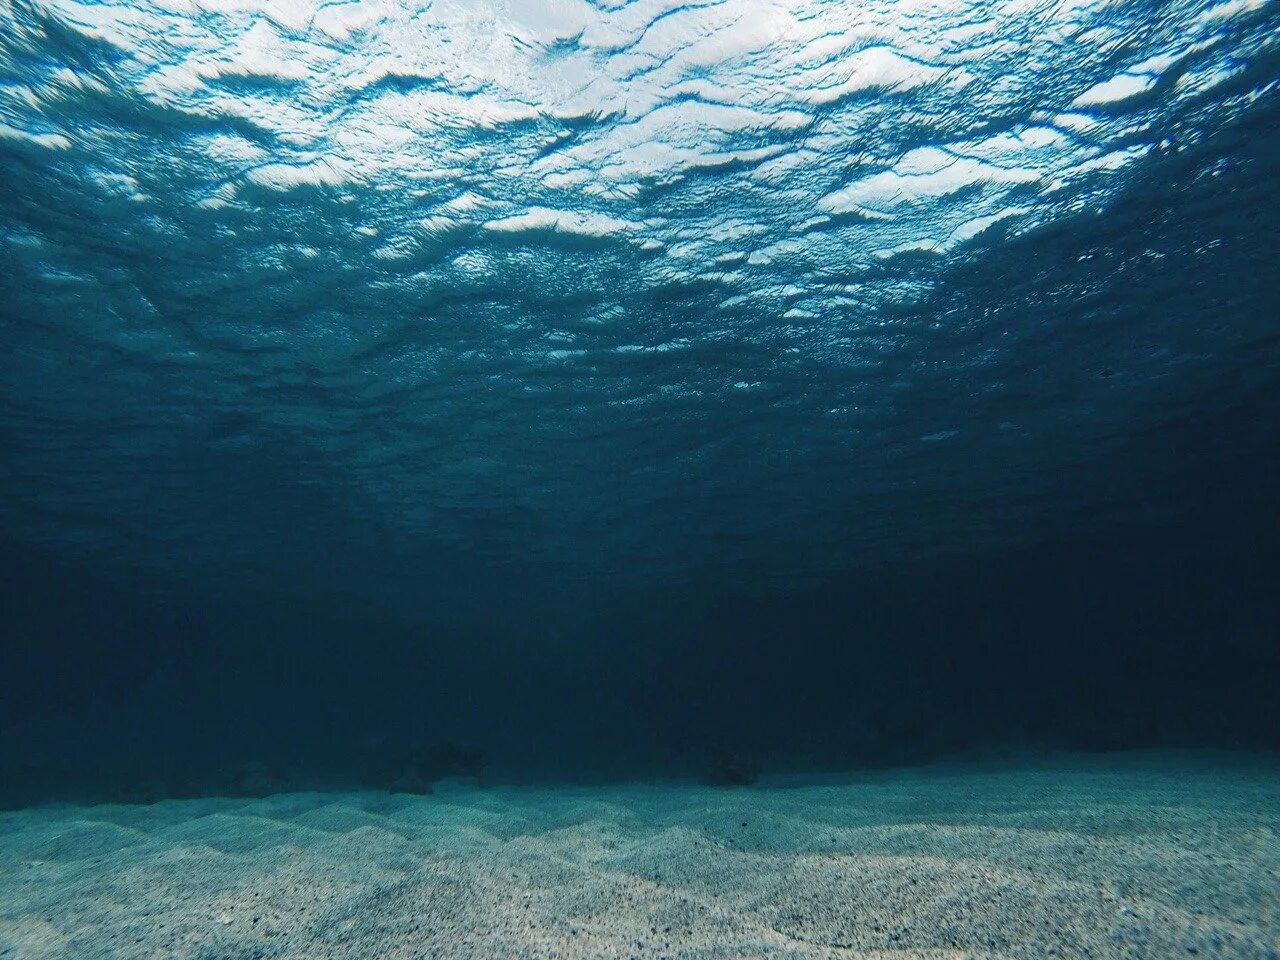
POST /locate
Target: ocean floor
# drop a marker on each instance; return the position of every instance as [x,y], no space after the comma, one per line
[1125,856]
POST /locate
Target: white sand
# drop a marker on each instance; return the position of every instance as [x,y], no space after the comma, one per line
[1141,856]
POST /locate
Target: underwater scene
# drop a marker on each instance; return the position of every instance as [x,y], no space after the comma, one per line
[675,479]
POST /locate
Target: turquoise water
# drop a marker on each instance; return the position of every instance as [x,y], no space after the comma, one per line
[606,386]
[682,479]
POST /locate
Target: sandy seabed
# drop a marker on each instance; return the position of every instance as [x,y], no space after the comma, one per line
[1167,856]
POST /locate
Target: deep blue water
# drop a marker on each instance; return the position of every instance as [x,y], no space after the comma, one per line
[611,384]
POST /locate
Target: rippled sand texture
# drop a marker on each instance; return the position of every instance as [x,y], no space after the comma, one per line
[1145,857]
[739,282]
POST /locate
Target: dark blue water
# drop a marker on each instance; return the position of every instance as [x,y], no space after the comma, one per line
[610,386]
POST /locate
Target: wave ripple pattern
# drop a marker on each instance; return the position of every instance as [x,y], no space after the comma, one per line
[614,285]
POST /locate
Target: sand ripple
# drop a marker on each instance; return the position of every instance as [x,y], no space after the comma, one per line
[1141,857]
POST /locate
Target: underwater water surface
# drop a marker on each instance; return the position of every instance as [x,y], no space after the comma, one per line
[416,415]
[622,290]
